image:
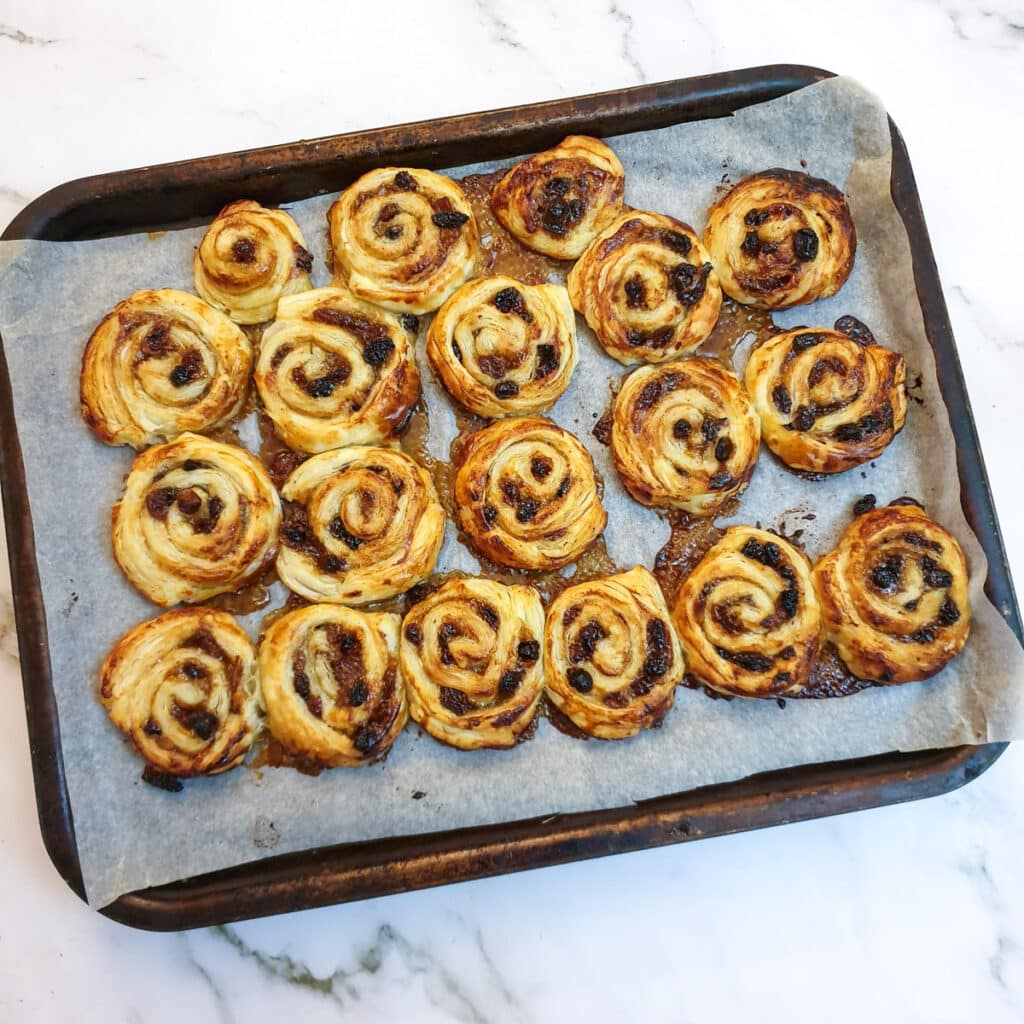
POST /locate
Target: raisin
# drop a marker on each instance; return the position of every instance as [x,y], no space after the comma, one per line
[541,466]
[359,695]
[329,563]
[509,683]
[506,389]
[161,780]
[509,300]
[295,536]
[557,186]
[689,282]
[563,488]
[322,387]
[934,576]
[805,245]
[580,680]
[865,504]
[723,449]
[949,612]
[677,242]
[303,259]
[529,650]
[848,432]
[456,351]
[749,661]
[681,430]
[490,514]
[377,351]
[191,465]
[802,342]
[751,244]
[455,701]
[803,420]
[200,723]
[719,481]
[188,501]
[366,739]
[450,219]
[547,361]
[855,330]
[635,337]
[925,635]
[337,530]
[636,293]
[393,232]
[193,671]
[582,648]
[780,396]
[405,181]
[526,511]
[182,374]
[243,250]
[789,602]
[159,501]
[886,574]
[414,634]
[152,729]
[409,322]
[300,683]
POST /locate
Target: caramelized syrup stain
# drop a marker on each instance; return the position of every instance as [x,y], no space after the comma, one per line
[250,598]
[736,322]
[689,541]
[267,752]
[830,677]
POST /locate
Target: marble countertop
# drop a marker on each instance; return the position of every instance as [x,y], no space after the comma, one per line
[913,912]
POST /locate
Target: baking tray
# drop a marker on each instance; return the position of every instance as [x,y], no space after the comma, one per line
[191,192]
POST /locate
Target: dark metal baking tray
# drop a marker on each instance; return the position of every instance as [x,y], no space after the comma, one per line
[192,191]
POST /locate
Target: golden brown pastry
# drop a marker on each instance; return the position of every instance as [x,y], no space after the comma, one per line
[894,595]
[526,494]
[183,688]
[647,289]
[249,259]
[472,661]
[403,238]
[748,617]
[780,239]
[162,363]
[197,518]
[334,370]
[504,348]
[684,435]
[613,658]
[360,525]
[556,202]
[827,402]
[331,684]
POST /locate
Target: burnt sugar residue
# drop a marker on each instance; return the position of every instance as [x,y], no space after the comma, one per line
[736,322]
[250,598]
[268,752]
[500,253]
[690,539]
[830,677]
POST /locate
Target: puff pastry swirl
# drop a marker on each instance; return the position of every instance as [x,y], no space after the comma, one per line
[361,524]
[647,289]
[159,364]
[403,238]
[331,684]
[827,402]
[526,494]
[684,435]
[781,238]
[197,518]
[613,658]
[183,687]
[473,663]
[894,595]
[503,348]
[748,616]
[249,259]
[334,370]
[556,202]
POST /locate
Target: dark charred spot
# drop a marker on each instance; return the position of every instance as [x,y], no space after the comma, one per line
[934,576]
[547,361]
[359,695]
[802,342]
[527,510]
[803,420]
[414,634]
[528,650]
[781,399]
[243,250]
[689,282]
[189,501]
[490,514]
[719,481]
[509,683]
[506,389]
[159,501]
[855,330]
[724,448]
[455,701]
[949,613]
[681,430]
[378,351]
[636,293]
[805,245]
[405,182]
[450,220]
[885,576]
[865,504]
[580,680]
[676,241]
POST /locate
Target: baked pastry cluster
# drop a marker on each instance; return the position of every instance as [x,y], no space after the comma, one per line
[353,524]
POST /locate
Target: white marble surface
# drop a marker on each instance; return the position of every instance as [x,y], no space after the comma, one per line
[912,912]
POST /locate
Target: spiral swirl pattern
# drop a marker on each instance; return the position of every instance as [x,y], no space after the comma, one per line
[894,595]
[183,688]
[781,238]
[159,364]
[748,617]
[361,525]
[684,435]
[331,684]
[827,402]
[334,370]
[403,238]
[556,202]
[502,348]
[647,289]
[249,259]
[472,660]
[526,494]
[613,659]
[197,518]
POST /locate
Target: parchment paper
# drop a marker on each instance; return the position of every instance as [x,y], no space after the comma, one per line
[131,835]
